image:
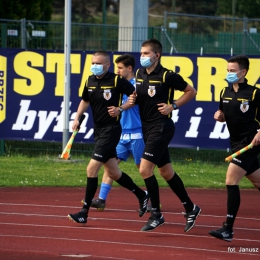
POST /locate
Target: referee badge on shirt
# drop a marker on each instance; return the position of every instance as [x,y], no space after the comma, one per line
[244,106]
[107,94]
[151,91]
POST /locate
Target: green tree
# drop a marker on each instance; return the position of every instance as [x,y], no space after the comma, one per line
[201,7]
[248,8]
[40,10]
[12,9]
[80,11]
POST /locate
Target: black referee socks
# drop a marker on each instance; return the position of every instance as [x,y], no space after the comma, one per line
[126,182]
[178,188]
[153,190]
[91,188]
[233,203]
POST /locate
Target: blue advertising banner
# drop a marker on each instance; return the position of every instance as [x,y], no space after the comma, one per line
[32,88]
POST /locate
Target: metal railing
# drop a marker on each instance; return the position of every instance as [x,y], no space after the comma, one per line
[181,33]
[215,35]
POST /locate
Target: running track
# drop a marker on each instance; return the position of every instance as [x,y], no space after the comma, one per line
[34,226]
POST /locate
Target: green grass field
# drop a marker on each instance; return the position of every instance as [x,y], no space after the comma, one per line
[20,170]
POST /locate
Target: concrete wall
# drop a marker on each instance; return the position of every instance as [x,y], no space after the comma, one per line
[133,23]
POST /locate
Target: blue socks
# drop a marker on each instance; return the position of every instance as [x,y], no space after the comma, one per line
[104,190]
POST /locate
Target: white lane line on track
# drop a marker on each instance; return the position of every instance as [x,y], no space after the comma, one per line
[122,220]
[122,230]
[117,210]
[53,254]
[128,244]
[96,256]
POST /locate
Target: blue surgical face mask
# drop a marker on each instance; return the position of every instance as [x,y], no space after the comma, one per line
[97,69]
[146,62]
[232,77]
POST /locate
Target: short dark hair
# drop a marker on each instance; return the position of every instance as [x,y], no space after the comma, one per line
[242,60]
[102,53]
[126,59]
[155,45]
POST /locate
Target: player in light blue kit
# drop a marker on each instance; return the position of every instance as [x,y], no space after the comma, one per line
[131,141]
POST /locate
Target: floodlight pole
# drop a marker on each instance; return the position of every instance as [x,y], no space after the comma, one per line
[67,50]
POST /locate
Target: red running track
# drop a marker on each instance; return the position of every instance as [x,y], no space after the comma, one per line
[34,226]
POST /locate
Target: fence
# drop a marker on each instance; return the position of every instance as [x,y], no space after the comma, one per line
[211,34]
[180,33]
[54,149]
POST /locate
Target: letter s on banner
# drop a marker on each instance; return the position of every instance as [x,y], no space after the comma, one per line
[32,81]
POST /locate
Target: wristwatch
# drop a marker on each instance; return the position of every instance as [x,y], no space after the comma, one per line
[174,106]
[121,109]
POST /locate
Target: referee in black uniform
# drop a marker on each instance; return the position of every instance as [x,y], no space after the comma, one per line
[155,87]
[103,92]
[239,107]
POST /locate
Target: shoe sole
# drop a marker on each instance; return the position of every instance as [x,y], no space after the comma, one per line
[76,221]
[98,209]
[228,240]
[193,223]
[153,228]
[222,238]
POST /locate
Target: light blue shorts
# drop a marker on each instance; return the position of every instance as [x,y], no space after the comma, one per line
[127,147]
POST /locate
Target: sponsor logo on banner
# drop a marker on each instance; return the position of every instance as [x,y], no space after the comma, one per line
[32,95]
[3,62]
[27,118]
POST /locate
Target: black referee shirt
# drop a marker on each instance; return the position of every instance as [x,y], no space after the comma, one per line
[241,110]
[154,88]
[105,92]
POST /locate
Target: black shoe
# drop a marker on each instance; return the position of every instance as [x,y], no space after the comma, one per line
[80,217]
[150,208]
[191,217]
[225,233]
[99,204]
[143,204]
[154,221]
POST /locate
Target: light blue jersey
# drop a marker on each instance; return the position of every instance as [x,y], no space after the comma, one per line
[130,118]
[131,141]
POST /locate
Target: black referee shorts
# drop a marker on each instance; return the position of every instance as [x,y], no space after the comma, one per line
[247,160]
[157,137]
[106,140]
